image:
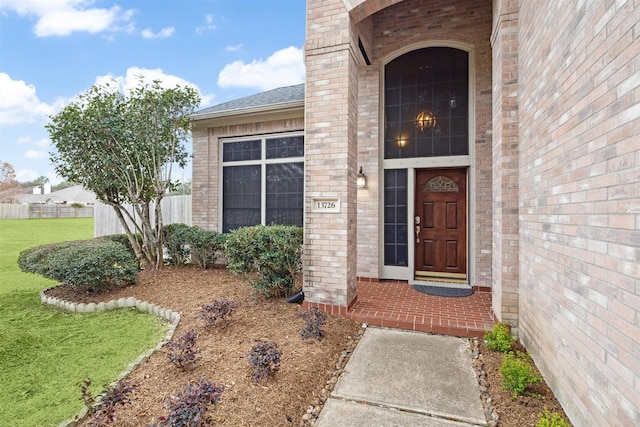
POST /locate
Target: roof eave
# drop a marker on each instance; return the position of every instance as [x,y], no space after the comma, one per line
[262,109]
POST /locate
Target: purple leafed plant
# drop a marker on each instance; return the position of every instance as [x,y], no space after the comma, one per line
[182,352]
[265,359]
[218,312]
[188,408]
[315,320]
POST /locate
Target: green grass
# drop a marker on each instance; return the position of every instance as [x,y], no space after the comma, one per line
[45,352]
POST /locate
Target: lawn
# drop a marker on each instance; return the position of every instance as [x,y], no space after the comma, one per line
[46,352]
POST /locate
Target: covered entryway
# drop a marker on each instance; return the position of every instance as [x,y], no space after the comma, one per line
[440,225]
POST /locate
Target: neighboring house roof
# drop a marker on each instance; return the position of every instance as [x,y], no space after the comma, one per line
[275,99]
[68,195]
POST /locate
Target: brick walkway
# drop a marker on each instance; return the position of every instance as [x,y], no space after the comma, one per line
[398,305]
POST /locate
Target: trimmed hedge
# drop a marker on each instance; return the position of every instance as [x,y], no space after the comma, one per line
[205,246]
[95,264]
[273,252]
[176,242]
[184,243]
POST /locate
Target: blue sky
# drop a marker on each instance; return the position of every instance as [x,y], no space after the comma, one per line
[53,50]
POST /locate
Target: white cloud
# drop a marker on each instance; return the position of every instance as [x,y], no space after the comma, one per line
[35,154]
[43,142]
[208,26]
[136,76]
[62,17]
[25,175]
[163,33]
[284,68]
[19,102]
[23,140]
[233,48]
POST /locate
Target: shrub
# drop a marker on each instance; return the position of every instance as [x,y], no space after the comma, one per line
[104,412]
[517,372]
[188,407]
[218,312]
[273,252]
[265,359]
[176,241]
[95,264]
[499,338]
[182,350]
[123,239]
[77,205]
[314,319]
[551,420]
[206,246]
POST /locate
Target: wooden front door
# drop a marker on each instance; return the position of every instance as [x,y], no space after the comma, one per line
[440,224]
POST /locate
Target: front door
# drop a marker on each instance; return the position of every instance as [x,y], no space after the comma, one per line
[440,224]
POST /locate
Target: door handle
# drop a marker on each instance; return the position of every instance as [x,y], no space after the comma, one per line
[417,234]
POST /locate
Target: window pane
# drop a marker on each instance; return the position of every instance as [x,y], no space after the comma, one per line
[285,189]
[241,150]
[241,189]
[434,81]
[395,217]
[281,148]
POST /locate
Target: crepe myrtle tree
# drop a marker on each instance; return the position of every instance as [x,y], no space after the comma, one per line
[123,147]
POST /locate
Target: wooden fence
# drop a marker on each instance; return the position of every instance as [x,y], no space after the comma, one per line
[24,211]
[175,209]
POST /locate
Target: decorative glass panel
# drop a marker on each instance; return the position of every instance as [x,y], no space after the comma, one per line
[285,189]
[426,104]
[241,189]
[440,184]
[395,217]
[281,148]
[241,150]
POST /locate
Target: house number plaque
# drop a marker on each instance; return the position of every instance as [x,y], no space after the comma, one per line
[325,204]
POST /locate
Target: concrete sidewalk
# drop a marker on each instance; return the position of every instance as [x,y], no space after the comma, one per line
[405,378]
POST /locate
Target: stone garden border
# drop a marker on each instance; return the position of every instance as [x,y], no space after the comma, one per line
[143,306]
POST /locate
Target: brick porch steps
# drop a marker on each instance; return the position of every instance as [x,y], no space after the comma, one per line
[397,305]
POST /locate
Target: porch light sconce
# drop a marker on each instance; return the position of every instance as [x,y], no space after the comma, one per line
[361,179]
[401,142]
[425,120]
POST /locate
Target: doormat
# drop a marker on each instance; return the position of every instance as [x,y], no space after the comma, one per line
[439,291]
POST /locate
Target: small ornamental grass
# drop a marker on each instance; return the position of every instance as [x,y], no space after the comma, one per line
[189,407]
[499,338]
[315,320]
[218,312]
[264,357]
[517,372]
[182,351]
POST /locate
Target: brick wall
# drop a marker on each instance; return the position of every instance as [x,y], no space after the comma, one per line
[579,113]
[505,259]
[330,154]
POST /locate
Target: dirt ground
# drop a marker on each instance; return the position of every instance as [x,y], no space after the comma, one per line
[308,368]
[523,410]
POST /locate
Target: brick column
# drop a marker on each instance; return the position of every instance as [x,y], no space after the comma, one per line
[505,266]
[330,248]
